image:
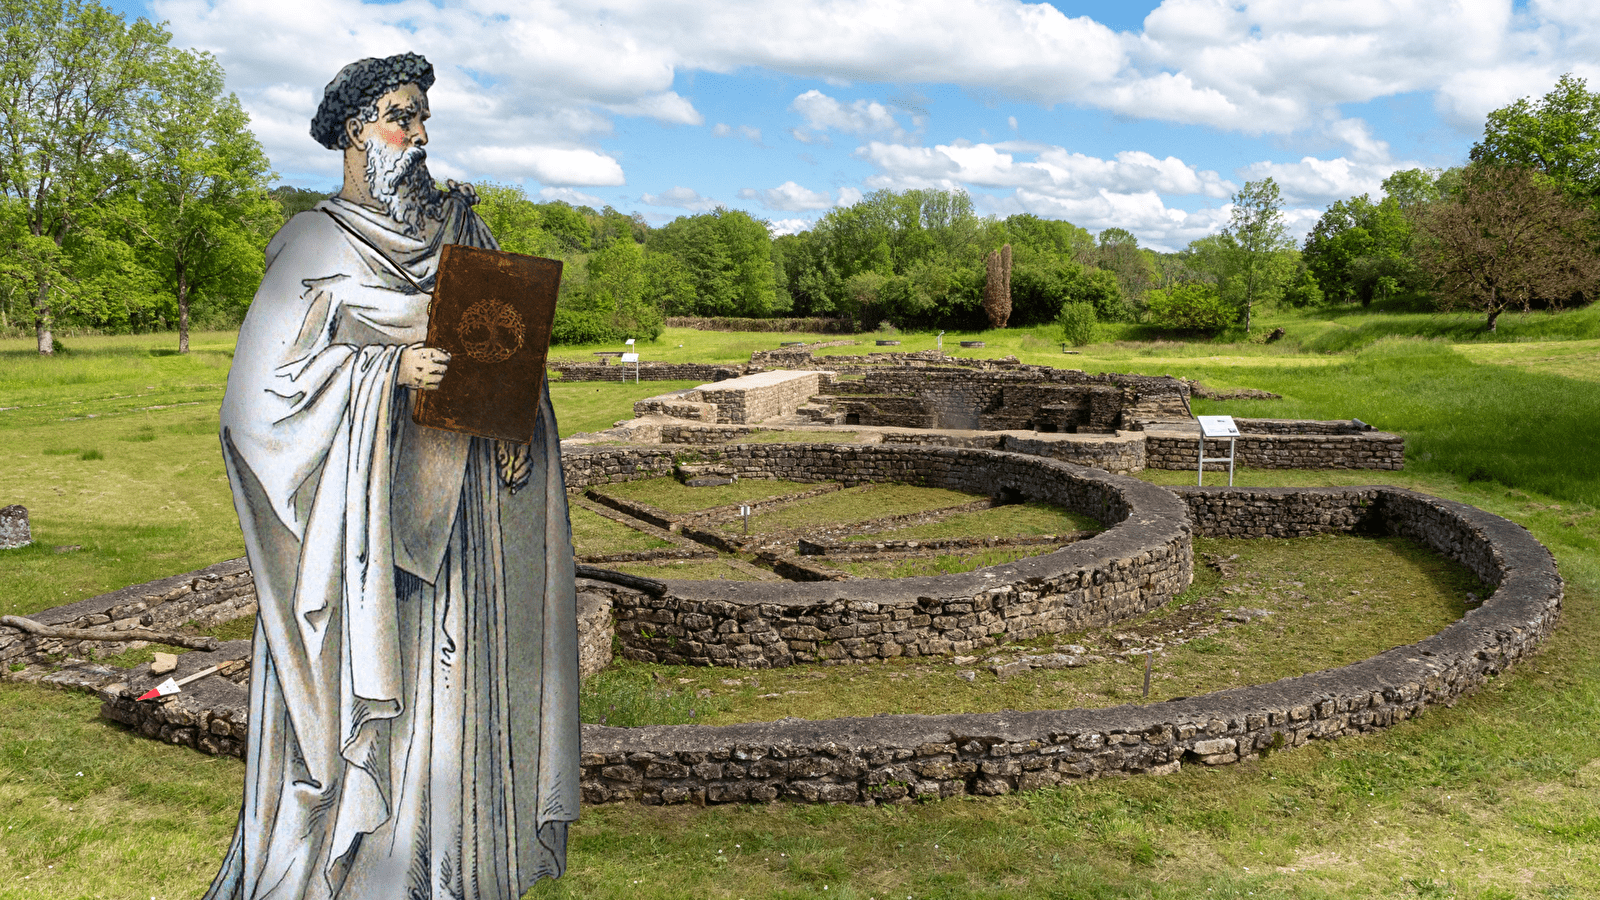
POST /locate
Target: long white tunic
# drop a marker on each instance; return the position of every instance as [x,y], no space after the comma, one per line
[413,699]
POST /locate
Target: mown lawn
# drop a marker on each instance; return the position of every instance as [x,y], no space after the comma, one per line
[1495,798]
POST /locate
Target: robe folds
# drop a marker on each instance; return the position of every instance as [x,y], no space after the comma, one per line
[413,723]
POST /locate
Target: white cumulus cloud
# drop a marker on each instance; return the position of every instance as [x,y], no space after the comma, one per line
[1132,190]
[780,227]
[571,195]
[788,197]
[682,198]
[822,113]
[552,73]
[551,165]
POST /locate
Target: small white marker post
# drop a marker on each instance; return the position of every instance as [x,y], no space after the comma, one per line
[632,358]
[941,343]
[745,511]
[1216,427]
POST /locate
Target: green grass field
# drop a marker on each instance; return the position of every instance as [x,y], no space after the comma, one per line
[1495,798]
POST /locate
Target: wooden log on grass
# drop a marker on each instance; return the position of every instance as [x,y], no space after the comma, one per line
[647,585]
[99,634]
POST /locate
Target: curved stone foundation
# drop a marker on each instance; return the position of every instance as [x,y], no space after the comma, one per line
[896,758]
[1139,563]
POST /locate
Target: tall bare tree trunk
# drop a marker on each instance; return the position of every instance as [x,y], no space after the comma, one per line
[1249,299]
[183,312]
[41,320]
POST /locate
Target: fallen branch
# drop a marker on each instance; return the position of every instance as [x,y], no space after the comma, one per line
[648,585]
[95,634]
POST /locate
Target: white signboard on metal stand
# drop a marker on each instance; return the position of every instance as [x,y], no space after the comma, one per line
[632,358]
[1216,427]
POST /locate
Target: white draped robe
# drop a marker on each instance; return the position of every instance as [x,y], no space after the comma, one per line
[413,698]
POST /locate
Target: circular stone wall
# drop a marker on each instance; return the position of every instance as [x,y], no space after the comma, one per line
[1141,561]
[894,758]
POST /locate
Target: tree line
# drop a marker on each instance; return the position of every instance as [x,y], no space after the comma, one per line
[132,192]
[134,197]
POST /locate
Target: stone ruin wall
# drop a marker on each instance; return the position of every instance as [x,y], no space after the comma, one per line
[210,596]
[1367,450]
[649,371]
[1013,397]
[747,404]
[1132,568]
[894,759]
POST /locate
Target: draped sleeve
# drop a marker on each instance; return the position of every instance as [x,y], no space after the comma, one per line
[309,423]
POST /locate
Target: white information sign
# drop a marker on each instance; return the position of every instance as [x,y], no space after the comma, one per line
[634,357]
[1215,427]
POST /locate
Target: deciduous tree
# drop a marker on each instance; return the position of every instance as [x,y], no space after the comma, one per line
[70,71]
[1361,251]
[1258,234]
[1557,135]
[202,187]
[1506,240]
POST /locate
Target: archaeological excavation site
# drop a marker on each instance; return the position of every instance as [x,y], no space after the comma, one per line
[885,577]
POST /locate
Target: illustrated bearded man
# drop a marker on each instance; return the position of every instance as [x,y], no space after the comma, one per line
[413,694]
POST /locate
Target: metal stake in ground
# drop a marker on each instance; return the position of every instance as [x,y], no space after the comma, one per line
[745,511]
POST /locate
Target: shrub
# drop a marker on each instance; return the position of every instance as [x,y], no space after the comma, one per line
[1194,306]
[1077,322]
[576,326]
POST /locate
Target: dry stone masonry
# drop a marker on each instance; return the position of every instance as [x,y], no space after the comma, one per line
[895,759]
[1121,423]
[738,401]
[14,530]
[1282,444]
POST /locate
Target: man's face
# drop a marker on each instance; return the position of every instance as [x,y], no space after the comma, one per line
[401,114]
[397,176]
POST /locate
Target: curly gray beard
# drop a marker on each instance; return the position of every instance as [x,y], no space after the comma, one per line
[399,179]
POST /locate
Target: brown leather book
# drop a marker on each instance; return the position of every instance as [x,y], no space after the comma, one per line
[492,312]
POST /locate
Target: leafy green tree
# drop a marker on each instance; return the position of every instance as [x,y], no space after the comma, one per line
[70,71]
[516,222]
[614,304]
[1302,289]
[813,288]
[206,216]
[1412,188]
[891,233]
[728,256]
[1259,235]
[1077,323]
[1100,289]
[1361,251]
[1052,236]
[609,225]
[668,285]
[1509,239]
[292,200]
[1119,253]
[1041,283]
[566,225]
[1557,136]
[697,244]
[1193,306]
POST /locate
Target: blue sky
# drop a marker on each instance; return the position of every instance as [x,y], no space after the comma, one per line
[1146,117]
